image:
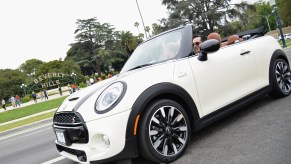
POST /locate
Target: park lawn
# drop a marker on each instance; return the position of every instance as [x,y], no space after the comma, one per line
[26,121]
[31,109]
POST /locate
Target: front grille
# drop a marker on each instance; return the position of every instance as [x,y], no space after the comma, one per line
[67,118]
[72,126]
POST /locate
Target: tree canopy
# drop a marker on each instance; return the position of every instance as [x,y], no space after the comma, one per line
[98,47]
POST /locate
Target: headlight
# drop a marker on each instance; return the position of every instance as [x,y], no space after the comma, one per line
[110,97]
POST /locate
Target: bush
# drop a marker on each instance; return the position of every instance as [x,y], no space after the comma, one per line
[82,85]
[25,99]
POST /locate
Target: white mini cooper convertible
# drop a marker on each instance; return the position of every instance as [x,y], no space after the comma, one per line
[164,93]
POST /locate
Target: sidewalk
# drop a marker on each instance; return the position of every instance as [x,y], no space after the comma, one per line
[38,101]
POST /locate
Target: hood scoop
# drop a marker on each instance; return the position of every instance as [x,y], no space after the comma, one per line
[74,98]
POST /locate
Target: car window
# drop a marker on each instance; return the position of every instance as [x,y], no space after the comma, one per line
[156,50]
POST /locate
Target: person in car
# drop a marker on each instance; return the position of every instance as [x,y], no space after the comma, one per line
[170,50]
[197,41]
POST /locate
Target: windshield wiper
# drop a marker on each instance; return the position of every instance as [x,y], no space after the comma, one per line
[140,66]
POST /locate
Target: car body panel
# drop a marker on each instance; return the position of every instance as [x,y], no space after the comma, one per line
[262,51]
[183,76]
[95,149]
[218,81]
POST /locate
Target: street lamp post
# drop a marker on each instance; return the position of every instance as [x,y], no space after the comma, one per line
[23,86]
[74,76]
[141,19]
[273,4]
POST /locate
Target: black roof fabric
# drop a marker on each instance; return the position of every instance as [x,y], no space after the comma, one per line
[257,31]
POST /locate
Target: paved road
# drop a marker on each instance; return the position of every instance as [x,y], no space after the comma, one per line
[33,147]
[259,133]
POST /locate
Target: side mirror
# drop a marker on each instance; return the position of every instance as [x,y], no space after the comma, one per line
[209,46]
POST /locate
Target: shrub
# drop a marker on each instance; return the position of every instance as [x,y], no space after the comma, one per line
[82,85]
[25,99]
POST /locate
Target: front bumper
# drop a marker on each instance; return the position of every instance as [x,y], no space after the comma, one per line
[89,144]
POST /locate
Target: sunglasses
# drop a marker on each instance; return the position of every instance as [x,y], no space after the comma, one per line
[197,43]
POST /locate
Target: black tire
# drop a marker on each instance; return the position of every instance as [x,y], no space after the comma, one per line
[164,131]
[281,79]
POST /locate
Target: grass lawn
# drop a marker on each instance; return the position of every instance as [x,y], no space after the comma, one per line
[29,110]
[26,121]
[288,43]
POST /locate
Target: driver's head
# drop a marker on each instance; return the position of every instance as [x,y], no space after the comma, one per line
[170,49]
[197,44]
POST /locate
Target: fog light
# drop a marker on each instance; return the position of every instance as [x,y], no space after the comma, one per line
[106,140]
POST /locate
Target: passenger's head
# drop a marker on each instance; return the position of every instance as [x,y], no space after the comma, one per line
[197,41]
[214,35]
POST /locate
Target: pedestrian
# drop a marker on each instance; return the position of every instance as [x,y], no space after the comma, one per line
[60,90]
[70,88]
[34,97]
[109,76]
[92,81]
[41,95]
[74,87]
[12,100]
[45,94]
[3,104]
[88,83]
[17,97]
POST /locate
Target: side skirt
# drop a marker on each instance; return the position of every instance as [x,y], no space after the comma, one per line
[227,110]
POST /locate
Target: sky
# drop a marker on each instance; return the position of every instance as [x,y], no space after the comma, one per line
[43,29]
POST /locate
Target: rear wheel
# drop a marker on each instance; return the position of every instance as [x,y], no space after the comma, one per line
[164,131]
[281,78]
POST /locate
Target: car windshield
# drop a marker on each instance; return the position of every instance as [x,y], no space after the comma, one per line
[158,49]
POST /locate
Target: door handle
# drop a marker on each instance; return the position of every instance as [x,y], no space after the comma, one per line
[244,52]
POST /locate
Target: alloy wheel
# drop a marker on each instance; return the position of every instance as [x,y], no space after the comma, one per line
[168,131]
[283,76]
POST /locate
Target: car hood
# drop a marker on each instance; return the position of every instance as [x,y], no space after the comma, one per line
[83,101]
[75,100]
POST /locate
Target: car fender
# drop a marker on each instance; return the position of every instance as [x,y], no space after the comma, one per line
[160,91]
[278,53]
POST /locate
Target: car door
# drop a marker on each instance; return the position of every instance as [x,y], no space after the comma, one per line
[228,75]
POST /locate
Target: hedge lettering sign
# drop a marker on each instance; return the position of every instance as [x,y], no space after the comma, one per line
[49,79]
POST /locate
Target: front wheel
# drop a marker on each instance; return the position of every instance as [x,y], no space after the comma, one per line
[281,78]
[164,131]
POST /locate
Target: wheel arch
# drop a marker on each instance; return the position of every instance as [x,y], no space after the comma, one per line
[276,55]
[161,91]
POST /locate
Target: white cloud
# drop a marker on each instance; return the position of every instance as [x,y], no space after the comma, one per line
[44,29]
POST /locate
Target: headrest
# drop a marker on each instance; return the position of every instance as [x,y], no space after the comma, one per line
[232,39]
[214,35]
